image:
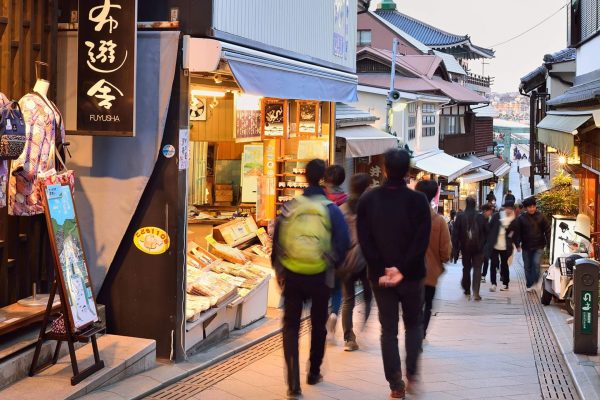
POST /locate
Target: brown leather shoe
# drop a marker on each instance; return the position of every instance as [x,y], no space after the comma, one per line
[398,394]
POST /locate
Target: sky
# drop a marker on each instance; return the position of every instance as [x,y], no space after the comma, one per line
[489,22]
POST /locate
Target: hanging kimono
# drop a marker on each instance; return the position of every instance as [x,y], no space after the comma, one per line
[42,123]
[3,163]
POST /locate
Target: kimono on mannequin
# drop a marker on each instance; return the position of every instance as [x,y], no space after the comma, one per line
[43,123]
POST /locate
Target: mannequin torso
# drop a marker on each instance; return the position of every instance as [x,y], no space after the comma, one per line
[41,87]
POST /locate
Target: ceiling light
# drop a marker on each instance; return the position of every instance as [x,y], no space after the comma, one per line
[247,102]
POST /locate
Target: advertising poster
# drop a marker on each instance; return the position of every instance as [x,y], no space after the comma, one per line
[564,240]
[252,170]
[68,249]
[274,118]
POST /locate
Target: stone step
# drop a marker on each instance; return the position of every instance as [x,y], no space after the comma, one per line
[123,357]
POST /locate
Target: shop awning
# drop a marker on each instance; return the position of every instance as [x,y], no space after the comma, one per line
[558,131]
[365,140]
[440,163]
[497,165]
[478,175]
[263,74]
[475,161]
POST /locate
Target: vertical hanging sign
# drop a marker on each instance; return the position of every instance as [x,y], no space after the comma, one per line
[106,67]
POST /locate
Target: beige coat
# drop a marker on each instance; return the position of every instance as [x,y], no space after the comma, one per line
[439,250]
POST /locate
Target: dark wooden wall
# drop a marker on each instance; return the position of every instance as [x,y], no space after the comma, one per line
[484,134]
[27,34]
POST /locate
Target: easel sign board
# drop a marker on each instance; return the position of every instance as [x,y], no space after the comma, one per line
[73,272]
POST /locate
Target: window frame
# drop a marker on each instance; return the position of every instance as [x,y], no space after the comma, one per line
[359,41]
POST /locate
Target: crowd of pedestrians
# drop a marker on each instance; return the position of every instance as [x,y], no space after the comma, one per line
[394,242]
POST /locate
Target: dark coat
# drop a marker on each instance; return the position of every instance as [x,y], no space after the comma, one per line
[533,231]
[461,227]
[394,224]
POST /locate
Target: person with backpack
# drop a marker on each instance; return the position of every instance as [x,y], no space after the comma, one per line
[499,245]
[310,241]
[438,251]
[354,267]
[393,224]
[532,236]
[334,178]
[470,232]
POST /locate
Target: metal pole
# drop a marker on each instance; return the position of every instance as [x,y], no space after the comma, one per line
[388,128]
[533,120]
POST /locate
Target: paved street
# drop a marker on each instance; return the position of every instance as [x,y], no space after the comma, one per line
[475,350]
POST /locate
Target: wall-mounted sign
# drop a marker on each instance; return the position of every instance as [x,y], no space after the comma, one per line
[341,14]
[106,67]
[307,117]
[274,117]
[168,150]
[151,240]
[586,312]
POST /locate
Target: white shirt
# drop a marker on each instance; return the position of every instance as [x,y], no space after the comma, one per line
[505,221]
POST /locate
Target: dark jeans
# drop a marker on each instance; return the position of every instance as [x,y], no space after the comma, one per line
[410,295]
[336,297]
[429,295]
[471,262]
[531,262]
[349,292]
[500,259]
[297,289]
[484,269]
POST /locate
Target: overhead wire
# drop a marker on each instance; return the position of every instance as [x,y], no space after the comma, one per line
[533,27]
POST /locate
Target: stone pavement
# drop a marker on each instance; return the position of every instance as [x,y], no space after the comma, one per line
[475,350]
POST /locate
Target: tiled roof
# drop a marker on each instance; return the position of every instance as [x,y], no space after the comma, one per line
[452,64]
[584,92]
[414,42]
[534,79]
[567,54]
[346,113]
[429,35]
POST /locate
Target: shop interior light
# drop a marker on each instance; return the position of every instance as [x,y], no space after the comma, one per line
[207,93]
[562,160]
[248,102]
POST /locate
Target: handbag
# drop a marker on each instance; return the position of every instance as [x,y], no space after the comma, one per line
[64,177]
[12,131]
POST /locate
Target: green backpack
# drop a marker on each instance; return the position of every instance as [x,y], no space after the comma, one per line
[305,235]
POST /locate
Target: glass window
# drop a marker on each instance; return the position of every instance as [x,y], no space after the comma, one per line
[412,133]
[364,38]
[412,120]
[412,108]
[451,125]
[428,119]
[428,131]
[428,108]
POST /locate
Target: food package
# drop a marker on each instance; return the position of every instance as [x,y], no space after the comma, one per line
[200,256]
[195,305]
[228,253]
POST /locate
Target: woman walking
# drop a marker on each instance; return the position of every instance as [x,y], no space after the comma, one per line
[355,266]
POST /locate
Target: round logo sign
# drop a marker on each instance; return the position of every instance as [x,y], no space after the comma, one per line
[168,151]
[151,240]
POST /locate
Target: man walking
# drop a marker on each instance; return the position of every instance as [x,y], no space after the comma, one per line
[499,245]
[509,197]
[469,236]
[311,239]
[533,235]
[394,224]
[487,210]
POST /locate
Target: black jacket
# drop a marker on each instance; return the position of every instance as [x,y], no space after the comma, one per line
[533,231]
[461,227]
[393,226]
[494,230]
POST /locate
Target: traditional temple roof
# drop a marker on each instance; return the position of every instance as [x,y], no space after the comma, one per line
[434,37]
[567,54]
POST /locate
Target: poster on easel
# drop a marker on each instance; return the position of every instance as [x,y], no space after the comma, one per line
[67,247]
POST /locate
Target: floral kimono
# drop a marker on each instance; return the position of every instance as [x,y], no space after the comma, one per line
[3,163]
[42,121]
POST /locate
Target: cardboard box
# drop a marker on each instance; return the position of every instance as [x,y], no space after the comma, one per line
[235,232]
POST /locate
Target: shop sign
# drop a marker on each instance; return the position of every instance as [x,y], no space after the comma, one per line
[308,117]
[106,67]
[184,149]
[274,117]
[586,311]
[168,151]
[151,240]
[341,14]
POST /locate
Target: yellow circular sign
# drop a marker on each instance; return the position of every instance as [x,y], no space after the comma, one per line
[151,240]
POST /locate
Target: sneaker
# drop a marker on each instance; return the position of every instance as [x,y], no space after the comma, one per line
[313,379]
[476,297]
[504,288]
[467,292]
[331,324]
[493,288]
[398,394]
[350,345]
[483,280]
[293,393]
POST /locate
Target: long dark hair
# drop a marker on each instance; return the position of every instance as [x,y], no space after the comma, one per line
[359,183]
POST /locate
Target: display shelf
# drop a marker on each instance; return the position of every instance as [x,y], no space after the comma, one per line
[206,315]
[18,316]
[289,174]
[302,160]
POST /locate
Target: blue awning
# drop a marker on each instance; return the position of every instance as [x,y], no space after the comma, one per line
[269,75]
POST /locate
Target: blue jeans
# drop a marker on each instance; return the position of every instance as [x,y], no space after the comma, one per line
[336,297]
[531,261]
